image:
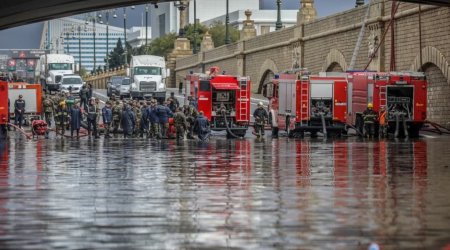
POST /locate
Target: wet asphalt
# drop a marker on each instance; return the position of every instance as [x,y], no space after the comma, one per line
[225,194]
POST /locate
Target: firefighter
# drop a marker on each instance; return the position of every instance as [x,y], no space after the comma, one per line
[90,91]
[153,118]
[107,118]
[61,118]
[163,113]
[260,115]
[179,120]
[128,120]
[49,108]
[370,117]
[117,115]
[382,122]
[173,102]
[201,126]
[84,93]
[92,118]
[70,99]
[138,116]
[76,117]
[191,114]
[144,119]
[19,111]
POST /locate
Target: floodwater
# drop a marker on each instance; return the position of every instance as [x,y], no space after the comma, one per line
[225,194]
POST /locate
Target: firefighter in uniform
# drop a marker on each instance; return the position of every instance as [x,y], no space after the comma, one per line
[153,118]
[179,120]
[144,119]
[19,111]
[137,118]
[201,126]
[84,93]
[382,122]
[107,118]
[49,108]
[260,115]
[191,114]
[117,115]
[61,118]
[370,117]
[92,118]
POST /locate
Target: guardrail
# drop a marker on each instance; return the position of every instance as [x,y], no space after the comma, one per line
[99,80]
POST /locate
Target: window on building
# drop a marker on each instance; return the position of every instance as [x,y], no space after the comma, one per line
[162,24]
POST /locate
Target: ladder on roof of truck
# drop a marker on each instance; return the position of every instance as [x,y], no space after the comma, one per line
[304,102]
[244,99]
[360,37]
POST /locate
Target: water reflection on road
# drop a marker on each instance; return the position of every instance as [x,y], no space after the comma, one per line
[282,193]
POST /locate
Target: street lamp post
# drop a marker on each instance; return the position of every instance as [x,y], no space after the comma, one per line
[227,22]
[182,5]
[78,28]
[67,43]
[278,24]
[195,27]
[146,25]
[125,34]
[107,12]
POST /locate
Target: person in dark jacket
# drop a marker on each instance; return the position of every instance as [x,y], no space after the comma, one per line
[84,93]
[107,118]
[128,121]
[144,119]
[92,119]
[75,120]
[201,126]
[163,114]
[19,111]
[260,115]
[153,118]
[90,91]
[173,102]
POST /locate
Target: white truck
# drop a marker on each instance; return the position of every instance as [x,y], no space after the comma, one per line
[148,74]
[52,67]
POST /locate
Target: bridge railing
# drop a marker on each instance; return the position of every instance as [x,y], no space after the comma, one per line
[99,80]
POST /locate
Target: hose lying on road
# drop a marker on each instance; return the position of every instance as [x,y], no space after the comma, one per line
[226,125]
[28,136]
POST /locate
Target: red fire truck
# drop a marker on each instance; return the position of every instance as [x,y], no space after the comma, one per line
[224,99]
[3,108]
[299,103]
[403,94]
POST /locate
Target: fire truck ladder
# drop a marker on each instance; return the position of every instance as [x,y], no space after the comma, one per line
[383,96]
[360,38]
[304,102]
[243,106]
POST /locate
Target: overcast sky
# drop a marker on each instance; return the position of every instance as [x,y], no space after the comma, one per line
[28,36]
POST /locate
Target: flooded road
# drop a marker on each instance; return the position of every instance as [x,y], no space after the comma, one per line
[275,194]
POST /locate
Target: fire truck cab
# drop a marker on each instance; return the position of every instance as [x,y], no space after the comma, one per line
[3,108]
[224,99]
[299,103]
[402,94]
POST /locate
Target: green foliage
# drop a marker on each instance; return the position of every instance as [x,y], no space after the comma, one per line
[201,30]
[83,72]
[116,57]
[217,31]
[161,46]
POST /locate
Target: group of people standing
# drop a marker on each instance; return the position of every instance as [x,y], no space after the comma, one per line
[132,118]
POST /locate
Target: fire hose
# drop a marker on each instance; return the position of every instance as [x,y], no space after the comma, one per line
[21,131]
[324,127]
[227,126]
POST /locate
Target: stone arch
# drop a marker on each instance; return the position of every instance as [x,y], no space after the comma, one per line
[267,71]
[334,67]
[432,55]
[436,68]
[335,60]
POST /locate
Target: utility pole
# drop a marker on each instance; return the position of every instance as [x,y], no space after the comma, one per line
[195,27]
[146,26]
[278,24]
[227,21]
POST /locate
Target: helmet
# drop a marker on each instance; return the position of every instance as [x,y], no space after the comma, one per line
[370,105]
[260,104]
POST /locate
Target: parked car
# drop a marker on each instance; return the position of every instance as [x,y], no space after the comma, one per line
[112,85]
[73,82]
[124,89]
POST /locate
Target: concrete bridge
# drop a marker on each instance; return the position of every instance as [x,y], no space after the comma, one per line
[327,44]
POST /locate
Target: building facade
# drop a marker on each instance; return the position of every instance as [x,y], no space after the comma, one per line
[63,36]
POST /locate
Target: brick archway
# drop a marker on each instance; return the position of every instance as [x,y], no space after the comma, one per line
[436,67]
[434,56]
[267,69]
[335,60]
